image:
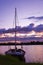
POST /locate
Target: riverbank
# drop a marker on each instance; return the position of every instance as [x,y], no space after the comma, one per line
[9,60]
[23,43]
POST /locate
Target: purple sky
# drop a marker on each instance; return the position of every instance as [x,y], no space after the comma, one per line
[25,9]
[28,12]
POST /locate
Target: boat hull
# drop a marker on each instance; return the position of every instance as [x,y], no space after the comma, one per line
[18,53]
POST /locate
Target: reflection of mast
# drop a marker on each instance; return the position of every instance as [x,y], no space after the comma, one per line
[21,46]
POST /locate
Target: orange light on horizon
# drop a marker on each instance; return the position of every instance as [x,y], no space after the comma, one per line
[39,34]
[31,33]
[36,34]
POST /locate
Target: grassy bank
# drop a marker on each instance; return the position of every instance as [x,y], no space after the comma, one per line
[9,60]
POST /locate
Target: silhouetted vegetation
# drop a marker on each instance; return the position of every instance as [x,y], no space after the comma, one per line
[26,43]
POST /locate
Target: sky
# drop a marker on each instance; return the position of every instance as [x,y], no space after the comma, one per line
[29,18]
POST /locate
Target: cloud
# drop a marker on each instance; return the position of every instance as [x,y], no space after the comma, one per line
[26,29]
[38,28]
[25,39]
[31,27]
[36,18]
[2,31]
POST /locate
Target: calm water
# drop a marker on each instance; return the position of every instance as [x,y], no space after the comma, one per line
[34,53]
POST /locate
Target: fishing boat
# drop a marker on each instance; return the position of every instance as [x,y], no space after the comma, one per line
[16,52]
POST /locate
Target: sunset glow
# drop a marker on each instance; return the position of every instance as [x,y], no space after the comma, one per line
[29,20]
[36,34]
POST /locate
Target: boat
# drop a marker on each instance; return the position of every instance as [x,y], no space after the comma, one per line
[16,52]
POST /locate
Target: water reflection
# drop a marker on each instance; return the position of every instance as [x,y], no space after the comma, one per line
[34,53]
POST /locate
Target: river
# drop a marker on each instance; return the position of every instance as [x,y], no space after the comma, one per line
[33,53]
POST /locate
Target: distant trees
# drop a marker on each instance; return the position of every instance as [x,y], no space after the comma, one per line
[22,43]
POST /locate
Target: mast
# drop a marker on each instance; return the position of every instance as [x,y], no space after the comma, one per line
[15,28]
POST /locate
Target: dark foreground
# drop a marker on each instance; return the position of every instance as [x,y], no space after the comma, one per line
[9,60]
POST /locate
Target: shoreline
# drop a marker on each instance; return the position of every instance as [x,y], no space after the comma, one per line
[9,60]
